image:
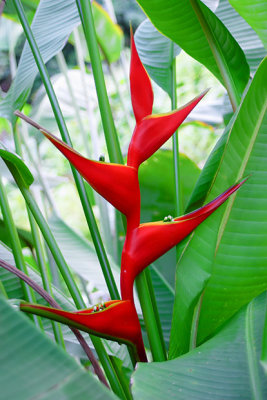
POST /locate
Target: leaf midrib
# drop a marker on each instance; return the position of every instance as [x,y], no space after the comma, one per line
[251,355]
[239,176]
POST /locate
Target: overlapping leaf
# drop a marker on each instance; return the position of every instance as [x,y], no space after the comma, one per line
[243,33]
[225,367]
[255,13]
[231,256]
[32,366]
[184,28]
[156,53]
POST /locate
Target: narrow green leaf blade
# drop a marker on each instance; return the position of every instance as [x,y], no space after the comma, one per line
[225,367]
[17,166]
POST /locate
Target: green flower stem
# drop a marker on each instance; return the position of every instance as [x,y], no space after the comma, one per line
[115,156]
[155,308]
[86,15]
[64,70]
[16,247]
[154,338]
[65,136]
[40,252]
[175,141]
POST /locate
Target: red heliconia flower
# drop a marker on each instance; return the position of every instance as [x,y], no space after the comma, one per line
[117,183]
[116,320]
[151,131]
[149,241]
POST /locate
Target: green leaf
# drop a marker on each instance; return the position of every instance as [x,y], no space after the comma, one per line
[17,166]
[255,13]
[225,367]
[207,174]
[52,24]
[156,179]
[243,34]
[156,53]
[109,35]
[33,366]
[227,253]
[24,236]
[197,30]
[264,345]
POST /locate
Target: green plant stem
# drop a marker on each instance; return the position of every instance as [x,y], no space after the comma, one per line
[115,156]
[175,141]
[218,56]
[86,15]
[149,317]
[16,247]
[40,253]
[65,136]
[64,70]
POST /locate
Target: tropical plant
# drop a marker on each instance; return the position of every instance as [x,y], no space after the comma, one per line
[196,328]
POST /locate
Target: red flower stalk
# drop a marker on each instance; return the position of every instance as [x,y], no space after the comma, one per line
[149,241]
[116,320]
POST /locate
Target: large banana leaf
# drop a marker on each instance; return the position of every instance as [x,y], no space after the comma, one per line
[255,13]
[225,367]
[243,34]
[229,249]
[33,367]
[157,53]
[197,30]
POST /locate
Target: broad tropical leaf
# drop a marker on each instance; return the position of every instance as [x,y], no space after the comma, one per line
[255,13]
[156,53]
[196,30]
[45,370]
[225,367]
[243,33]
[227,258]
